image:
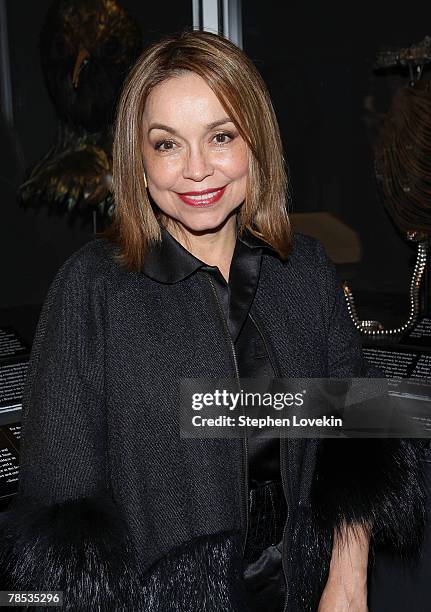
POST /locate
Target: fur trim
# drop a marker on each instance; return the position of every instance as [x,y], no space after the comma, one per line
[372,482]
[77,547]
[377,483]
[309,552]
[82,548]
[203,575]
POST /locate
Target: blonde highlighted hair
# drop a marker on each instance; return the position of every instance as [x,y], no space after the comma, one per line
[241,91]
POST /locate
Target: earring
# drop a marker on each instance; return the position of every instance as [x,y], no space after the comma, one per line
[145,180]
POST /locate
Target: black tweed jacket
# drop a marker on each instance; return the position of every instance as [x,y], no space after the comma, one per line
[119,512]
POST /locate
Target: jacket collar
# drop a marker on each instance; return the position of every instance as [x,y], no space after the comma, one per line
[169,262]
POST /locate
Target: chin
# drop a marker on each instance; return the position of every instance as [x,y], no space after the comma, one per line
[207,220]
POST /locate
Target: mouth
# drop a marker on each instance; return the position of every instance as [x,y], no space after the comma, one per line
[201,199]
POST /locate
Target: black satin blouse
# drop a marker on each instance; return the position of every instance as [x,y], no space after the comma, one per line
[170,262]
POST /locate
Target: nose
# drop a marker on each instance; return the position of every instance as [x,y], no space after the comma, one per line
[197,165]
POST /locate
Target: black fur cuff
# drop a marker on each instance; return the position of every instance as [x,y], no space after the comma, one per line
[77,547]
[203,575]
[82,548]
[372,482]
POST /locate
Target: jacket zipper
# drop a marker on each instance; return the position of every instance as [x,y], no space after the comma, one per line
[244,481]
[284,470]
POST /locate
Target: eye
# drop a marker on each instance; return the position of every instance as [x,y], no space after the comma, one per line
[223,138]
[164,145]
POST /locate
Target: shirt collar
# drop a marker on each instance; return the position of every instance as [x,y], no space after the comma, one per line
[169,262]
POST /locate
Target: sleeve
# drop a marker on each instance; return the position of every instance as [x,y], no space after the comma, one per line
[63,454]
[377,482]
[62,530]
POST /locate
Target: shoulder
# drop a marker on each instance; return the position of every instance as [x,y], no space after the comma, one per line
[92,261]
[307,259]
[307,280]
[93,257]
[82,275]
[306,249]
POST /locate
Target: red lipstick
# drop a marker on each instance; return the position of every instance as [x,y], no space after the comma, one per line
[201,199]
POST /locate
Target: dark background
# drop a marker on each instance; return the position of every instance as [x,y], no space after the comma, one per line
[318,63]
[33,245]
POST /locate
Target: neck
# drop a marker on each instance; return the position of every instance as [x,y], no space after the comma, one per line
[215,247]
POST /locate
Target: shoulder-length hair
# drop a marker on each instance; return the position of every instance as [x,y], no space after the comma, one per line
[241,91]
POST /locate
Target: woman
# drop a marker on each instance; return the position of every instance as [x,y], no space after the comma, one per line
[198,277]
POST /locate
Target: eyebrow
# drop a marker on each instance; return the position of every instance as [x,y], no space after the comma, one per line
[209,126]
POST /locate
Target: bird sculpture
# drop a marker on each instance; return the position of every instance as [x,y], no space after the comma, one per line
[403,173]
[86,48]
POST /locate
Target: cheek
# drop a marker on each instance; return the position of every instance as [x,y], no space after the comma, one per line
[162,172]
[235,165]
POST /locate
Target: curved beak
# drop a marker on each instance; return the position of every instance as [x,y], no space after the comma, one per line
[80,61]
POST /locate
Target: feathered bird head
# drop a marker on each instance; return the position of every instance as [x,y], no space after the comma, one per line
[87,47]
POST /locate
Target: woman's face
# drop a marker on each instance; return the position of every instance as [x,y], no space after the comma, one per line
[195,160]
